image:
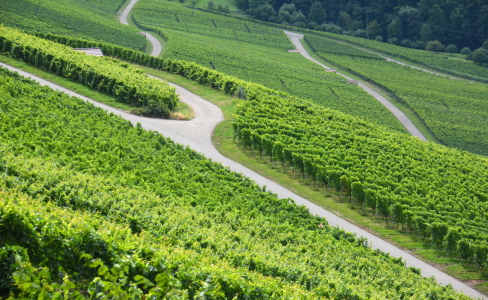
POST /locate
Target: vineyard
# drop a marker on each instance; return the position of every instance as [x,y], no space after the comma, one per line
[85,19]
[437,193]
[150,96]
[255,53]
[320,44]
[348,152]
[456,112]
[140,216]
[95,207]
[463,69]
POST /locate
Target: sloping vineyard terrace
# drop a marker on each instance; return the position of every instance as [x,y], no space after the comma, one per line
[455,111]
[150,96]
[141,209]
[256,53]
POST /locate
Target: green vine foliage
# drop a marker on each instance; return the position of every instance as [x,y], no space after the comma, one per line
[104,74]
[98,208]
[454,110]
[437,192]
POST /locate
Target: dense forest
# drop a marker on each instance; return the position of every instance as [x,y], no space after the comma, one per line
[410,23]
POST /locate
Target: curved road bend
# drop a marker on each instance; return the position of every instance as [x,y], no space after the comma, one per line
[197,135]
[156,45]
[295,39]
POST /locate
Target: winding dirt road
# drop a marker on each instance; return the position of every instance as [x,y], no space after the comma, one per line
[295,39]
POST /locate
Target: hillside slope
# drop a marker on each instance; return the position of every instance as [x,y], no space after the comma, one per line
[95,21]
[256,53]
[222,224]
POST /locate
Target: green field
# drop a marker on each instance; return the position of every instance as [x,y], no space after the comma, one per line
[148,96]
[255,53]
[435,191]
[86,19]
[96,207]
[438,62]
[455,111]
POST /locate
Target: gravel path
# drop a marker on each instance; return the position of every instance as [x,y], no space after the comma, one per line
[197,135]
[295,39]
[156,45]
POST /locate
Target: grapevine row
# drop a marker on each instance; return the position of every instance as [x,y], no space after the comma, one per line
[102,74]
[212,232]
[437,192]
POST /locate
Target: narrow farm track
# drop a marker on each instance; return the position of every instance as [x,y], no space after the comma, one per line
[196,134]
[295,39]
[156,45]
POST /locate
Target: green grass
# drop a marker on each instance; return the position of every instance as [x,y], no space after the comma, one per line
[255,53]
[182,108]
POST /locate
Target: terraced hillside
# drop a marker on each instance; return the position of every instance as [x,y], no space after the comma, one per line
[432,60]
[255,53]
[152,218]
[87,19]
[454,110]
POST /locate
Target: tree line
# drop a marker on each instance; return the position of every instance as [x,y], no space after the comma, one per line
[459,23]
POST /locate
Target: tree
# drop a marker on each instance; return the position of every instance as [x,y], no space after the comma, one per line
[357,192]
[317,13]
[312,25]
[370,198]
[438,22]
[406,43]
[482,22]
[424,7]
[373,29]
[332,28]
[451,49]
[284,16]
[344,20]
[355,25]
[360,33]
[411,21]
[290,8]
[457,20]
[242,4]
[464,248]
[264,12]
[426,33]
[346,185]
[435,46]
[466,51]
[451,238]
[419,44]
[485,45]
[397,211]
[278,152]
[395,29]
[479,57]
[211,5]
[298,17]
